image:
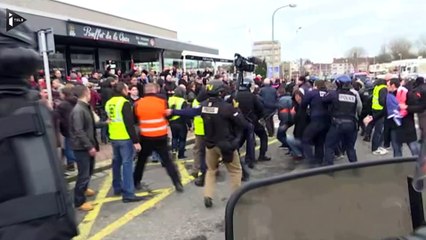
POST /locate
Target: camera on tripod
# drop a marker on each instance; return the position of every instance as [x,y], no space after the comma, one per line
[245,64]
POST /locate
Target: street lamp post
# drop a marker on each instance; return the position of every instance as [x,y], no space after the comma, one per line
[273,17]
[273,30]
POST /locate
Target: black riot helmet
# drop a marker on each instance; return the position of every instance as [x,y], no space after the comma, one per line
[18,58]
[215,87]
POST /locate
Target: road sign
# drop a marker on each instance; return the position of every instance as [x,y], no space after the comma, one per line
[46,44]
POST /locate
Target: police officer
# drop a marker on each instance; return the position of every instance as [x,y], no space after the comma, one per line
[316,130]
[222,116]
[252,109]
[343,127]
[34,199]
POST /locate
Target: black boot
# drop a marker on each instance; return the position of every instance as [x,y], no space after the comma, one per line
[246,175]
[208,202]
[199,182]
[179,187]
[264,158]
[181,155]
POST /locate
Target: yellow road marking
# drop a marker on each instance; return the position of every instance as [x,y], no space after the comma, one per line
[185,177]
[158,163]
[131,215]
[140,194]
[86,225]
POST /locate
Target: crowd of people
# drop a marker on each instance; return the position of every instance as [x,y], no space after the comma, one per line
[326,118]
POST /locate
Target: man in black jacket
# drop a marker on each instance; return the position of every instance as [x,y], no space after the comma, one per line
[252,109]
[269,99]
[85,146]
[63,112]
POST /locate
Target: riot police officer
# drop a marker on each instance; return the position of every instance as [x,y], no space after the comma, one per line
[34,199]
[223,130]
[252,109]
[343,120]
[315,132]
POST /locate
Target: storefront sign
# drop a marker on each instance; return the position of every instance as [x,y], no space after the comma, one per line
[108,35]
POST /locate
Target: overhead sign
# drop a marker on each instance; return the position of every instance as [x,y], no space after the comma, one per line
[13,20]
[108,35]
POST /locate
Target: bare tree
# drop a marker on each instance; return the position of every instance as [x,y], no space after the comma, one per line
[400,48]
[384,56]
[421,46]
[354,54]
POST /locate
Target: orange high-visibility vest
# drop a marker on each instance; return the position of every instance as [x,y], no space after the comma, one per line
[150,113]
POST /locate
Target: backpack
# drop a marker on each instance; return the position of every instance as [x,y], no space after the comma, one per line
[34,200]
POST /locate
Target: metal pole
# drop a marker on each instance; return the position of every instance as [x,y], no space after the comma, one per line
[43,49]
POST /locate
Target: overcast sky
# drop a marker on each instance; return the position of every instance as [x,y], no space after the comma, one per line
[328,27]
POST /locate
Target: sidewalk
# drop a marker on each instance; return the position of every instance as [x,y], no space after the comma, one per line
[104,158]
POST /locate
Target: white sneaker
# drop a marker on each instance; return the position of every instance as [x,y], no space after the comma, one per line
[383,150]
[378,152]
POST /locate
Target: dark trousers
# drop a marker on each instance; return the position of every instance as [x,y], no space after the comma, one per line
[314,135]
[85,166]
[179,133]
[160,146]
[259,130]
[377,139]
[386,134]
[248,138]
[104,130]
[397,145]
[269,122]
[346,133]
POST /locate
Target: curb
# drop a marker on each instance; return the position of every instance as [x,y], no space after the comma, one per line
[106,167]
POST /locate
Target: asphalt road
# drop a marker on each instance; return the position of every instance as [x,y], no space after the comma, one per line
[169,215]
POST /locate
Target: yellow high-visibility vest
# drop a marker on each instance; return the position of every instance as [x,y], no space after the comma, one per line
[375,101]
[116,128]
[177,102]
[198,121]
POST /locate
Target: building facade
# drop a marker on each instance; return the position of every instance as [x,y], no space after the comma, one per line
[271,52]
[86,40]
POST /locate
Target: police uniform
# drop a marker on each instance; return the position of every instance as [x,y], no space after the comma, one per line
[149,111]
[315,132]
[252,109]
[123,136]
[343,121]
[221,121]
[34,198]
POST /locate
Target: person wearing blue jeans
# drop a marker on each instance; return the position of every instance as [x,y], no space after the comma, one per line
[124,141]
[69,154]
[123,152]
[397,146]
[295,146]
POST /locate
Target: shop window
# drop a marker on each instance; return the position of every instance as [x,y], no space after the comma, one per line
[57,60]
